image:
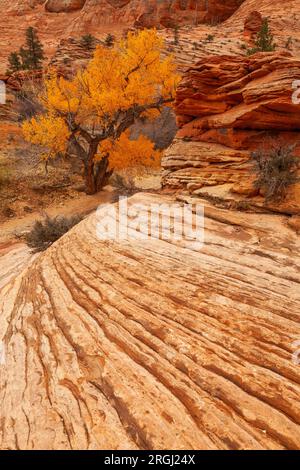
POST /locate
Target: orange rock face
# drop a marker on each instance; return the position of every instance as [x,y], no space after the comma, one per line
[226,108]
[58,19]
[253,24]
[58,6]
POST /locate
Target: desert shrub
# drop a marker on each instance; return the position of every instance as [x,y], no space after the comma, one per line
[47,231]
[161,130]
[27,103]
[276,170]
[264,40]
[88,42]
[109,40]
[210,38]
[124,186]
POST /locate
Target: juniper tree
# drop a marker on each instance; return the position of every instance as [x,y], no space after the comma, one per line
[88,42]
[14,62]
[264,40]
[32,54]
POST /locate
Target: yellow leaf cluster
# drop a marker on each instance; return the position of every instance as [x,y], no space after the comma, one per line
[133,73]
[126,153]
[48,131]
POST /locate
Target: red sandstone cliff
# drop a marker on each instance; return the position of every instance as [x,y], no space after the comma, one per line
[227,107]
[57,19]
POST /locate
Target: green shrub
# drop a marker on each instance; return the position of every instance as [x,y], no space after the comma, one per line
[88,42]
[264,40]
[124,186]
[210,38]
[109,40]
[276,170]
[47,231]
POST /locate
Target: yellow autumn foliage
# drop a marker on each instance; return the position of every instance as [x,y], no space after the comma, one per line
[133,79]
[126,153]
[51,133]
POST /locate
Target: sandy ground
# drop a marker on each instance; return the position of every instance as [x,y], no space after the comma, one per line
[15,255]
[11,229]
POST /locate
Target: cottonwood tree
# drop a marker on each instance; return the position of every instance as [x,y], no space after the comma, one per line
[119,86]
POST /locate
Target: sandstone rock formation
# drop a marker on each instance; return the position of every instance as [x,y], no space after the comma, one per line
[252,24]
[14,257]
[227,107]
[100,17]
[59,6]
[61,19]
[149,13]
[153,345]
[70,56]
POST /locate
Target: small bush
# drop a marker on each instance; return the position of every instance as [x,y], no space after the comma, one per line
[27,104]
[276,170]
[109,40]
[264,40]
[47,231]
[124,186]
[210,38]
[88,42]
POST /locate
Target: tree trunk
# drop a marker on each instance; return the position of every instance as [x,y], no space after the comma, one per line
[102,174]
[96,173]
[89,180]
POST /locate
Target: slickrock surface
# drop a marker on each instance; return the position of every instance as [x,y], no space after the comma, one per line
[228,107]
[234,35]
[153,345]
[13,259]
[60,19]
[100,17]
[71,55]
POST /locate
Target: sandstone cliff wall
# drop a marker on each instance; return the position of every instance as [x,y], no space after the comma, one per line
[227,107]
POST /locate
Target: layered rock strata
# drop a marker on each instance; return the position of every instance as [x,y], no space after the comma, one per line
[227,107]
[155,344]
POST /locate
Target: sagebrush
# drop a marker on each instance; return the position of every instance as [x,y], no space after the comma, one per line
[124,186]
[276,169]
[47,231]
